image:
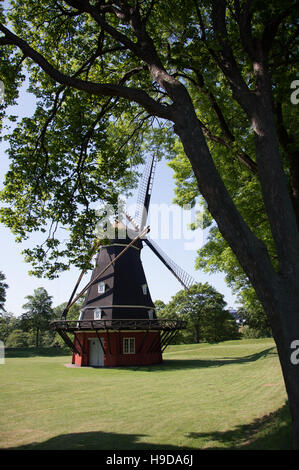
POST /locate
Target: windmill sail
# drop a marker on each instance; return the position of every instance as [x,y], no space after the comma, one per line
[182,276]
[144,194]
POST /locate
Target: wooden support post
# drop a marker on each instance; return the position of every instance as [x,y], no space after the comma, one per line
[68,341]
[166,338]
[108,340]
[100,339]
[119,342]
[77,339]
[164,334]
[152,344]
[155,343]
[142,342]
[174,333]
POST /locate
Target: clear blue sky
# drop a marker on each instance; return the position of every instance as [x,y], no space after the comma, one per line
[161,282]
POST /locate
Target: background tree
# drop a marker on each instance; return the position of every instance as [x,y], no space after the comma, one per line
[38,313]
[215,75]
[18,338]
[163,311]
[8,323]
[204,309]
[3,287]
[257,323]
[159,306]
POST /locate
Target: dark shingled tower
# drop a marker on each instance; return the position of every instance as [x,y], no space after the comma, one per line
[121,291]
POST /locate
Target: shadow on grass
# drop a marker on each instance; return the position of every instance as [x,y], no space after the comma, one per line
[178,364]
[271,432]
[96,440]
[34,352]
[167,364]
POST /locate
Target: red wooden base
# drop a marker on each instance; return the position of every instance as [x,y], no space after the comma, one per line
[121,348]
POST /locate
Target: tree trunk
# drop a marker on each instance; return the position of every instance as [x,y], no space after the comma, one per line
[284,306]
[196,337]
[277,294]
[37,337]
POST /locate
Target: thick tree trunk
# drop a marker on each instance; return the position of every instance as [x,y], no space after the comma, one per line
[277,294]
[282,308]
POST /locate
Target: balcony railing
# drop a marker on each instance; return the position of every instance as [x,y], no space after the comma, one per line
[118,324]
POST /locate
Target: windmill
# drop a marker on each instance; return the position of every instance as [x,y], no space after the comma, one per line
[118,324]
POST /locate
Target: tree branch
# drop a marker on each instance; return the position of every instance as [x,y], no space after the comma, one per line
[243,157]
[227,62]
[107,89]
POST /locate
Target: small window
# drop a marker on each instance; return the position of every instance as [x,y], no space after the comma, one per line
[98,314]
[129,346]
[101,287]
[144,289]
[151,314]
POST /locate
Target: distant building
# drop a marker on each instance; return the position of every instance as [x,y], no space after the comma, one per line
[238,319]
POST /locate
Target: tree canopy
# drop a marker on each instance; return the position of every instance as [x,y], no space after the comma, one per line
[204,309]
[84,139]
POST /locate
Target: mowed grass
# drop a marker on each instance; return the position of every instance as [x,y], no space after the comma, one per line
[225,396]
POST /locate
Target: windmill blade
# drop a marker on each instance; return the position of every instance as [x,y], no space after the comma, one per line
[182,276]
[145,190]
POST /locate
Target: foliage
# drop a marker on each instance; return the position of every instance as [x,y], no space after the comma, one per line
[8,323]
[83,147]
[38,313]
[159,306]
[254,316]
[3,287]
[204,309]
[252,333]
[22,331]
[19,339]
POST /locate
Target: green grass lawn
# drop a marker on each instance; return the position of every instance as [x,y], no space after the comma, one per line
[225,396]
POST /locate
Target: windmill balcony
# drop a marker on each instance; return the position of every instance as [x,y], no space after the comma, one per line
[119,324]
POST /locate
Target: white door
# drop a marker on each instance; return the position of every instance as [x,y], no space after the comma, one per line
[96,353]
